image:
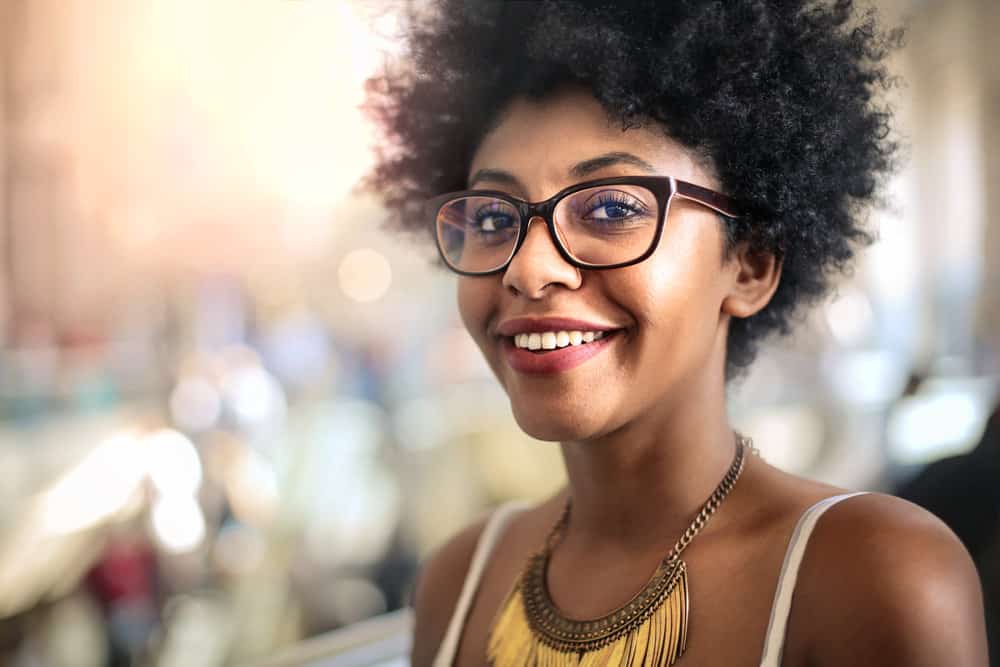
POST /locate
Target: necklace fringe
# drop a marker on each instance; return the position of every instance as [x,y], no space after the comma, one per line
[649,631]
[657,641]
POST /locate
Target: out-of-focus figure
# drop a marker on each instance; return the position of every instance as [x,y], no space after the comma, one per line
[124,582]
[964,492]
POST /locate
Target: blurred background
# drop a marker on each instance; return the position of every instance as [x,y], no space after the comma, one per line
[234,414]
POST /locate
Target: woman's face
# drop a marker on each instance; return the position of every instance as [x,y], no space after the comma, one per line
[666,313]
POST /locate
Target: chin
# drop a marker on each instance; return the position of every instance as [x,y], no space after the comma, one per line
[552,424]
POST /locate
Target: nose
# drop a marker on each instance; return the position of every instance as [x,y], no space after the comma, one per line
[538,264]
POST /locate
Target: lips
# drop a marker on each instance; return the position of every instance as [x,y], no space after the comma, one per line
[563,357]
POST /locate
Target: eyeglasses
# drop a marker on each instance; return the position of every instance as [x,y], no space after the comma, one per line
[602,224]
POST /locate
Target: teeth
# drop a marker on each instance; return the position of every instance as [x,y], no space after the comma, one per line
[550,340]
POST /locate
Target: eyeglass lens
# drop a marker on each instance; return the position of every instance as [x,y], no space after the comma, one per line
[602,226]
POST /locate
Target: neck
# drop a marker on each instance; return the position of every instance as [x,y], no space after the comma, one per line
[642,484]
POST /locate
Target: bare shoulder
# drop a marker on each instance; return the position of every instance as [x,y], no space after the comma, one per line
[443,573]
[438,588]
[885,582]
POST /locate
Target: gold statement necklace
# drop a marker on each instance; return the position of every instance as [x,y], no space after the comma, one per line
[650,630]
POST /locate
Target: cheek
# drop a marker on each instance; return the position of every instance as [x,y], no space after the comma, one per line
[677,295]
[475,305]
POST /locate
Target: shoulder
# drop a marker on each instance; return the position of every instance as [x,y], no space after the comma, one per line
[437,590]
[886,582]
[443,575]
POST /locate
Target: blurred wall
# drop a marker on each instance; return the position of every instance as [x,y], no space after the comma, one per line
[951,111]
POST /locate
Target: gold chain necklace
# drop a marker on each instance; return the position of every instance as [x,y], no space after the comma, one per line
[649,630]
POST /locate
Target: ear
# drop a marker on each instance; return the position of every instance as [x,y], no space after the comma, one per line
[755,279]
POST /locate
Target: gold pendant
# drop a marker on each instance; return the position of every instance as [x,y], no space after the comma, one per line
[648,631]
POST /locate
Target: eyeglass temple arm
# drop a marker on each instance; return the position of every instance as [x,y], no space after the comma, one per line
[714,200]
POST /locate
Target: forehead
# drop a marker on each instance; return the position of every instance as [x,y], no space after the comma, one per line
[539,143]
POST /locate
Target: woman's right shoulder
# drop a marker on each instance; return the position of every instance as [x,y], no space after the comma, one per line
[442,576]
[438,587]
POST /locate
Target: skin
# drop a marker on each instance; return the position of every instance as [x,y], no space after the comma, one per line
[645,439]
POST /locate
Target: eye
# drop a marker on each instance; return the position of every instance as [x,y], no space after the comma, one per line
[611,210]
[492,218]
[613,206]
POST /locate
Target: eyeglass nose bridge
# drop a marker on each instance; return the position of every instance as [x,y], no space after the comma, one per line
[545,213]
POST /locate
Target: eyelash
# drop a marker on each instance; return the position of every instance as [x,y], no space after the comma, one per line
[621,199]
[489,211]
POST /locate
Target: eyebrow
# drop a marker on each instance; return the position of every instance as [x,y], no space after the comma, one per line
[587,167]
[579,170]
[497,176]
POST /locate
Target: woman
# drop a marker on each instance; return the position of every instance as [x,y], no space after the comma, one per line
[695,172]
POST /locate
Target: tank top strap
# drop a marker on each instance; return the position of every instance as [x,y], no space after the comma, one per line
[774,639]
[484,547]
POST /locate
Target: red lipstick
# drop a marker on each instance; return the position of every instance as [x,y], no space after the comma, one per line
[551,361]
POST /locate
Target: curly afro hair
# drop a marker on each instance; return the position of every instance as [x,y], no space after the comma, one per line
[779,97]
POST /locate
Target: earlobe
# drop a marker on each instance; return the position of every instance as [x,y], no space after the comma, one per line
[756,278]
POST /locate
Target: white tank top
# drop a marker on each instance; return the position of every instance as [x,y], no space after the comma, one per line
[774,639]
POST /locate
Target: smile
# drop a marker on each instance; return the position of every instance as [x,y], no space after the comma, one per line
[552,340]
[554,351]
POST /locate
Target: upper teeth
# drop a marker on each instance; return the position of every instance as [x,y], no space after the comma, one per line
[550,340]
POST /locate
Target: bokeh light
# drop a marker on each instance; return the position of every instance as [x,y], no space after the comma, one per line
[174,465]
[178,523]
[365,275]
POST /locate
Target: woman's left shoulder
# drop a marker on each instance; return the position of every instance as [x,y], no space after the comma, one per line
[884,581]
[880,527]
